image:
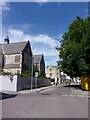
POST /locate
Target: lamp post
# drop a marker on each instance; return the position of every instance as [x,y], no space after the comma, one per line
[32,75]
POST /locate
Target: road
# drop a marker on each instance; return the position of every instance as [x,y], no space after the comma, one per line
[56,102]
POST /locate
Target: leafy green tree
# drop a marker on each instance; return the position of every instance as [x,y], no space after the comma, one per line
[27,70]
[41,74]
[74,49]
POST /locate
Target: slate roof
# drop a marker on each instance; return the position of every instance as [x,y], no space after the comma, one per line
[13,48]
[37,58]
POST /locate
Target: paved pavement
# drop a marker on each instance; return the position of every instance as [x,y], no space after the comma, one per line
[52,102]
[35,90]
[26,91]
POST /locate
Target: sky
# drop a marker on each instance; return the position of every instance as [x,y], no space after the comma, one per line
[42,23]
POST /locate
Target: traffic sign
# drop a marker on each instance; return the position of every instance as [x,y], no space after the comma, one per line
[36,74]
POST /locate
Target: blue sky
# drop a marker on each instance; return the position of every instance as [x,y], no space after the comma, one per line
[42,24]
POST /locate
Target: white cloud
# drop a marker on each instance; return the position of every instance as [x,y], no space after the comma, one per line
[45,43]
[41,0]
[0,25]
[40,44]
[48,0]
[4,6]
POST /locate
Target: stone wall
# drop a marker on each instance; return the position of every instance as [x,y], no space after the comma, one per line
[13,63]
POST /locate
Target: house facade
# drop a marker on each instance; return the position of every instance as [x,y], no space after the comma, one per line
[52,72]
[1,58]
[15,57]
[39,64]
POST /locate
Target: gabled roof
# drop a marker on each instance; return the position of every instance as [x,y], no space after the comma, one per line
[37,58]
[13,48]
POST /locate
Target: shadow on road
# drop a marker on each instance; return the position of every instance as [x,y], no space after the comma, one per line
[6,96]
[74,86]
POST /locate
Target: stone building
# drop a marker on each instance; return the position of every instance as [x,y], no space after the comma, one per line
[39,64]
[15,57]
[52,72]
[1,58]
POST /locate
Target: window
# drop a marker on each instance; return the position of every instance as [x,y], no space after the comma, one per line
[50,74]
[18,71]
[17,58]
[50,70]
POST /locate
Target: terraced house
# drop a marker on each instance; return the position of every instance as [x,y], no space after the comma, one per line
[15,57]
[53,72]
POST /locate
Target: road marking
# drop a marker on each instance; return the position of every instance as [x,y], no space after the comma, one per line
[80,96]
[74,96]
[64,95]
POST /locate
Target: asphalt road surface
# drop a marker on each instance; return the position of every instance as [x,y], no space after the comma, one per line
[56,102]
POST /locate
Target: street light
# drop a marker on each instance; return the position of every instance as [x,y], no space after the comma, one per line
[32,75]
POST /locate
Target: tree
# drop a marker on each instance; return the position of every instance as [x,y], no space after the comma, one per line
[74,49]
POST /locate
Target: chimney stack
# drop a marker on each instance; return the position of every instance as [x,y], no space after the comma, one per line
[7,39]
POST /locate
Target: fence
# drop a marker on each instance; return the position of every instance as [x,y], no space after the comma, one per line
[20,83]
